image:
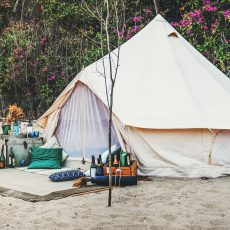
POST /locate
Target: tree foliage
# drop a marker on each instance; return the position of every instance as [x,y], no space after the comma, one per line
[45,43]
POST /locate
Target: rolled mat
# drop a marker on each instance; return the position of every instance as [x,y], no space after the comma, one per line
[123,181]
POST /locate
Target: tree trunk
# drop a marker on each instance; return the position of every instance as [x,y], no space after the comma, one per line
[156,6]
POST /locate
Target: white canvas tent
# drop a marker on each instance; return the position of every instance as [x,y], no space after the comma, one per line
[171,107]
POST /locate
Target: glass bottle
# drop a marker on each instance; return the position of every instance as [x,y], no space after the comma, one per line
[115,161]
[128,161]
[2,159]
[29,128]
[99,171]
[93,167]
[16,128]
[123,158]
[12,158]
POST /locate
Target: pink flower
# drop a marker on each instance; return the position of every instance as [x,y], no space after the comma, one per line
[205,2]
[205,53]
[128,36]
[137,18]
[211,8]
[137,28]
[226,14]
[205,27]
[52,77]
[194,14]
[132,30]
[121,35]
[29,47]
[200,20]
[174,23]
[45,69]
[184,23]
[18,51]
[147,11]
[188,31]
[216,22]
[42,40]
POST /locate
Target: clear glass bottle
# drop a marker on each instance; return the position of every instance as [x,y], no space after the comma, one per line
[93,167]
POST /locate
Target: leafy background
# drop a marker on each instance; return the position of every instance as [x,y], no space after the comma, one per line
[45,43]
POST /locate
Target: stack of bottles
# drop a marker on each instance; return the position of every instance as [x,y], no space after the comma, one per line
[118,159]
[121,159]
[96,169]
[8,160]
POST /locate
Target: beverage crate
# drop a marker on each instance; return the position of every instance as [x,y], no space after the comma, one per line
[125,171]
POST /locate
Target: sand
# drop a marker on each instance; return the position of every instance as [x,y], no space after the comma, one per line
[158,204]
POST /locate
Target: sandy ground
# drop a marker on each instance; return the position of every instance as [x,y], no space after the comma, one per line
[157,204]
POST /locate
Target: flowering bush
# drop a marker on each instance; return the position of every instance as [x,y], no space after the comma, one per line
[205,26]
[46,45]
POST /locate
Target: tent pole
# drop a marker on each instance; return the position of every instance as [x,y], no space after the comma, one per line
[84,119]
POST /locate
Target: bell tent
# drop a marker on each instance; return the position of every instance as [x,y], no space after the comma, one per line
[171,107]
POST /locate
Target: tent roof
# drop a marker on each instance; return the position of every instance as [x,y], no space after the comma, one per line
[162,82]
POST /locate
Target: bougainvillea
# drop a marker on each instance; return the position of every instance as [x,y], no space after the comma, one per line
[43,46]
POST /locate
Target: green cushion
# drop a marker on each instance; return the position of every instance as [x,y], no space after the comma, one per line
[46,158]
[44,164]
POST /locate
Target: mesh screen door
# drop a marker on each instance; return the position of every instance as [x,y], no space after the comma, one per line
[83,124]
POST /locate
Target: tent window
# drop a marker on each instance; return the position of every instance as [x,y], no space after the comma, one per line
[173,34]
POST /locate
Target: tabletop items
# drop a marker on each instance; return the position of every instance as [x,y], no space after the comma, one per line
[123,169]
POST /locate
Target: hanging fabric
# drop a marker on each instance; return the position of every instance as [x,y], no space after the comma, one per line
[84,124]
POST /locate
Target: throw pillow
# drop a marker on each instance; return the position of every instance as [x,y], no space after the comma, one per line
[45,158]
[53,143]
[66,175]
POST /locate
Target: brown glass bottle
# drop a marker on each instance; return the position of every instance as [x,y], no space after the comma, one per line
[2,159]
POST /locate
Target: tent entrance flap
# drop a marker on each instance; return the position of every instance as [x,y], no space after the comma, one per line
[83,124]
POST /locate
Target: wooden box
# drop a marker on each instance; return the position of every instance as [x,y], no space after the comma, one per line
[123,171]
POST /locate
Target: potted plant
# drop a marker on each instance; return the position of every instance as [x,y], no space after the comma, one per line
[13,112]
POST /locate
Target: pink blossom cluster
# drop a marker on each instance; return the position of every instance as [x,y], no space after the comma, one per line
[52,77]
[137,18]
[188,31]
[214,24]
[134,29]
[210,8]
[42,40]
[122,32]
[226,14]
[45,69]
[206,2]
[174,24]
[147,11]
[185,22]
[18,52]
[194,14]
[205,53]
[29,47]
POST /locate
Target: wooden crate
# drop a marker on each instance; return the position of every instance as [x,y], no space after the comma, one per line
[125,171]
